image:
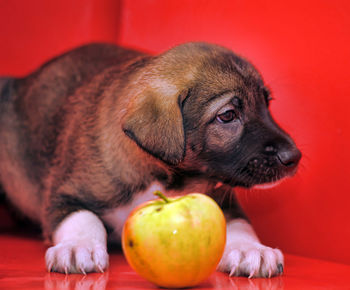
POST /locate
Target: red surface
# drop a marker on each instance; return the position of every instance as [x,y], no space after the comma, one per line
[22,267]
[301,48]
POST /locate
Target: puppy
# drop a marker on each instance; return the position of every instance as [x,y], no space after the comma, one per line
[94,132]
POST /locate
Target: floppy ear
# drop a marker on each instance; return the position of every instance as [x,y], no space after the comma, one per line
[154,121]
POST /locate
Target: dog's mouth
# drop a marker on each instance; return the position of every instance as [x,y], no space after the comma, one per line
[269,185]
[262,173]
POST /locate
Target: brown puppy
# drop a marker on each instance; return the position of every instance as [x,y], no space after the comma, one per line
[94,132]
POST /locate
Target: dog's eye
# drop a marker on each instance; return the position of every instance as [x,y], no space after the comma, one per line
[226,117]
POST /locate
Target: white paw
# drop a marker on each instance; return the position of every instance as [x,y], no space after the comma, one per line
[77,257]
[251,259]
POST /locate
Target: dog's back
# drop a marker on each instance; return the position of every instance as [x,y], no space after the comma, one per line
[30,110]
[44,91]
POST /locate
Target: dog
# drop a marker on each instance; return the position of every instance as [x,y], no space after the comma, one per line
[94,132]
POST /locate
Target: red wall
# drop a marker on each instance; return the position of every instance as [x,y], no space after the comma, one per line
[32,32]
[301,47]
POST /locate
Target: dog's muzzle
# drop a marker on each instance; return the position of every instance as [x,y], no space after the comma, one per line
[271,166]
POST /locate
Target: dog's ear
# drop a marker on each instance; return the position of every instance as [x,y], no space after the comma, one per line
[154,121]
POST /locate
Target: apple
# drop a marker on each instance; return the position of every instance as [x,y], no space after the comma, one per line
[175,242]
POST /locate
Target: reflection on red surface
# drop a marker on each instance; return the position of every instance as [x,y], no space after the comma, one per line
[91,281]
[22,267]
[103,281]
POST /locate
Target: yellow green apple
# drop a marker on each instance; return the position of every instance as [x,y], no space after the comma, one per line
[175,242]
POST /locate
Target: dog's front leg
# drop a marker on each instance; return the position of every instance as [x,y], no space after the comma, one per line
[244,254]
[80,245]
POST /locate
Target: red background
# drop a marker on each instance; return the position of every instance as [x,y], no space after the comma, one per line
[302,49]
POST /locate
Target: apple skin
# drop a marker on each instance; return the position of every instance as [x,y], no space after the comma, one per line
[177,242]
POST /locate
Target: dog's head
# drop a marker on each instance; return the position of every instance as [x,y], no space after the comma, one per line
[202,109]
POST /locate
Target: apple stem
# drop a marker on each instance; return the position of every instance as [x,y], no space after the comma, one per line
[162,196]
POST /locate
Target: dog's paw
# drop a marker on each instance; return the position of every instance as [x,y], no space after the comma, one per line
[75,257]
[251,260]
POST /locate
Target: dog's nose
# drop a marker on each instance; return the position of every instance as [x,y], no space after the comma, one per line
[289,157]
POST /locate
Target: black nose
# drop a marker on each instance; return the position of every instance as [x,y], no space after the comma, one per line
[288,154]
[289,157]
